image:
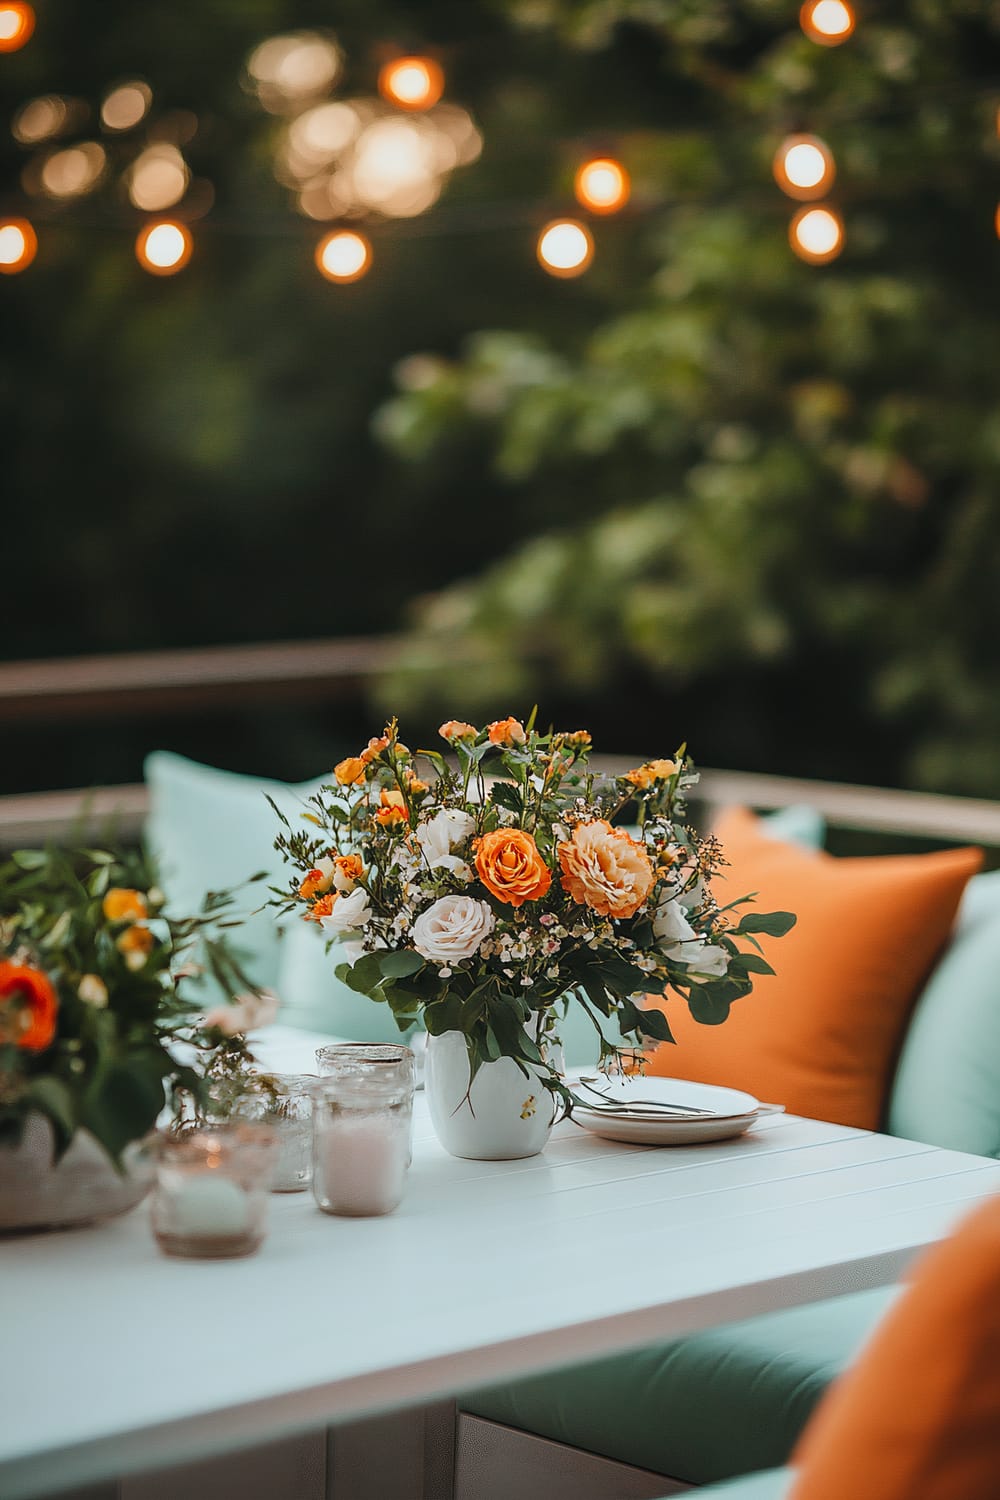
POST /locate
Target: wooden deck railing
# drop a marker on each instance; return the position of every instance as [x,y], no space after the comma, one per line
[95,687]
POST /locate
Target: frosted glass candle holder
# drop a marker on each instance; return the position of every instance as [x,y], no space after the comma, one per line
[212,1188]
[284,1101]
[362,1126]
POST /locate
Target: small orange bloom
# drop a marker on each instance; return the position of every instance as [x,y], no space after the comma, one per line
[135,940]
[314,884]
[349,868]
[510,866]
[653,770]
[123,905]
[414,785]
[350,771]
[392,808]
[375,747]
[320,908]
[28,1006]
[605,869]
[457,729]
[507,732]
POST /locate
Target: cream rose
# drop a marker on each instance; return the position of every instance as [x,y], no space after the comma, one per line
[605,869]
[438,837]
[452,928]
[350,909]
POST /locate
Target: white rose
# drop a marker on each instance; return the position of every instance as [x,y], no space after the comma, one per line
[349,911]
[438,837]
[680,942]
[670,925]
[711,962]
[452,928]
[246,1013]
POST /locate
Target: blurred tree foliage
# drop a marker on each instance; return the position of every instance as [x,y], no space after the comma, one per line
[768,493]
[704,490]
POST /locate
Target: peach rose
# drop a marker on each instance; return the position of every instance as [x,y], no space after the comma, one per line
[350,771]
[457,729]
[605,869]
[28,1006]
[507,732]
[510,866]
[123,905]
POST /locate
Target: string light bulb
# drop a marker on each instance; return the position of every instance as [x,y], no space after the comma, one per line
[18,246]
[828,22]
[344,255]
[804,167]
[17,22]
[816,235]
[602,185]
[164,247]
[411,82]
[565,248]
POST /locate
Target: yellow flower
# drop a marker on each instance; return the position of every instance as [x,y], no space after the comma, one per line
[652,771]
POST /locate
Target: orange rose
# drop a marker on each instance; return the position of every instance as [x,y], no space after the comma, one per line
[392,808]
[653,770]
[511,867]
[350,771]
[314,884]
[457,729]
[320,908]
[605,869]
[507,732]
[123,905]
[135,943]
[28,1006]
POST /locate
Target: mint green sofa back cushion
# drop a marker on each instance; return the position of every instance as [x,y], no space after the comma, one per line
[211,830]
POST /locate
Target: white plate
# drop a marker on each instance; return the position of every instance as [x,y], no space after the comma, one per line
[733,1111]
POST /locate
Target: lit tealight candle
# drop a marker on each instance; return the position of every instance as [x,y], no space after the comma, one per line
[210,1204]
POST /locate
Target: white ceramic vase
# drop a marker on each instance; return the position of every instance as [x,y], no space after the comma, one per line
[84,1186]
[502,1117]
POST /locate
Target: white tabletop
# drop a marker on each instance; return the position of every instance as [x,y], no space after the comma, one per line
[115,1358]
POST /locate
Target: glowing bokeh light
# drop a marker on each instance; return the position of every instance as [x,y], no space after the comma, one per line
[323,132]
[395,166]
[411,82]
[565,248]
[343,255]
[828,22]
[74,171]
[126,105]
[804,167]
[602,185]
[816,235]
[290,69]
[158,178]
[17,22]
[39,119]
[164,247]
[18,246]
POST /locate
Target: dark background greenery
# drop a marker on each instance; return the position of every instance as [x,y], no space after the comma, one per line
[706,491]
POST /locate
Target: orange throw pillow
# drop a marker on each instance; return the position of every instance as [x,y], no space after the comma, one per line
[918,1416]
[821,1035]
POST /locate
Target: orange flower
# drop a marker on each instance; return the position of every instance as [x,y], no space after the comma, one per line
[414,785]
[348,868]
[605,869]
[314,884]
[320,908]
[392,808]
[457,729]
[28,1007]
[123,905]
[350,771]
[135,943]
[511,867]
[375,747]
[507,732]
[576,739]
[653,770]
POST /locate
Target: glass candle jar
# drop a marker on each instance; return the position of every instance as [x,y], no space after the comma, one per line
[211,1191]
[362,1122]
[284,1101]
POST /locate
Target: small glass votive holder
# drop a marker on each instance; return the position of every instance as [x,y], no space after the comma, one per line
[362,1124]
[212,1188]
[284,1101]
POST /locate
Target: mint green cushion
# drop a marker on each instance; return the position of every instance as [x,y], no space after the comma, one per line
[947,1085]
[312,997]
[211,830]
[771,1484]
[981,900]
[725,1402]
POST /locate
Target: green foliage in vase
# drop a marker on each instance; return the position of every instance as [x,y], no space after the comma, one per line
[99,1027]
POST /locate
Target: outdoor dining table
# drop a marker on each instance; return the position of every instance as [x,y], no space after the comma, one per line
[117,1360]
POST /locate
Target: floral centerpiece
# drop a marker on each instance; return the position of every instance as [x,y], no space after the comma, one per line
[99,1028]
[487,890]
